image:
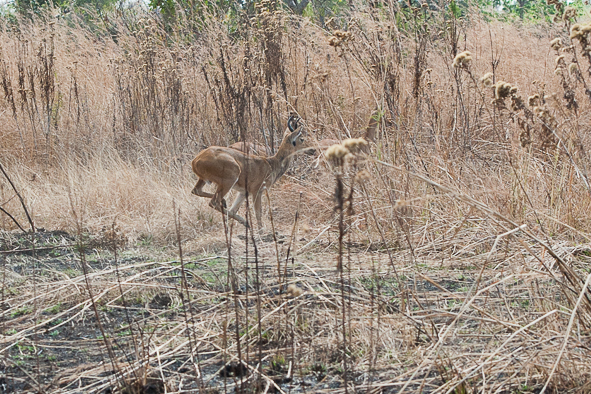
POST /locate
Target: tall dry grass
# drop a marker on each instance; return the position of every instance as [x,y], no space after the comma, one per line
[81,108]
[470,184]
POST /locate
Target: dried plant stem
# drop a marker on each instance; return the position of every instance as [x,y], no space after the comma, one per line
[291,240]
[404,295]
[567,333]
[339,208]
[81,250]
[275,243]
[20,197]
[186,301]
[13,219]
[130,321]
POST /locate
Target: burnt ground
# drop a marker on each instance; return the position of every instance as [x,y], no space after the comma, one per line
[164,326]
[55,286]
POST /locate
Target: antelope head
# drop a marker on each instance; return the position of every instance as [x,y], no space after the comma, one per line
[296,136]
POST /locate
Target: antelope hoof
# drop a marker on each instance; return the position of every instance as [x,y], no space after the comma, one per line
[242,221]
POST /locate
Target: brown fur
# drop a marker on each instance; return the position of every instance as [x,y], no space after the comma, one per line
[230,168]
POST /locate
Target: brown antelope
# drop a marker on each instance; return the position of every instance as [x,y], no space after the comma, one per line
[230,168]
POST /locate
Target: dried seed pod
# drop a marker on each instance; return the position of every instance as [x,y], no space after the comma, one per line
[556,44]
[570,13]
[354,144]
[573,68]
[336,154]
[487,80]
[502,90]
[463,60]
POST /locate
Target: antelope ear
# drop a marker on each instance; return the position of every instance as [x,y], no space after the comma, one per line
[293,122]
[290,123]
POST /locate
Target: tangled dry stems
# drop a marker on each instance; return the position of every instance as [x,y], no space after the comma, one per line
[476,197]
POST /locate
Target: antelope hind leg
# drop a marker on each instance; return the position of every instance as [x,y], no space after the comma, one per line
[237,202]
[198,190]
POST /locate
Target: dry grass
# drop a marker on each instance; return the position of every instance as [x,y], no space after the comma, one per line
[461,267]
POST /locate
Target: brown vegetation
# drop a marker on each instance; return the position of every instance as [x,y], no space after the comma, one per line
[461,240]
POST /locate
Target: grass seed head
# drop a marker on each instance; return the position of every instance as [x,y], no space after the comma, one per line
[349,158]
[487,80]
[534,100]
[294,291]
[362,176]
[559,59]
[354,144]
[517,103]
[400,203]
[339,37]
[334,41]
[502,90]
[556,44]
[568,49]
[463,60]
[576,32]
[336,154]
[342,34]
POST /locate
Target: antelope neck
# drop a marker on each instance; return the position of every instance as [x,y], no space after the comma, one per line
[280,162]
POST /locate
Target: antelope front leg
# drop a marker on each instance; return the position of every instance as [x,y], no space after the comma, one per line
[257,210]
[221,207]
[219,204]
[237,202]
[235,206]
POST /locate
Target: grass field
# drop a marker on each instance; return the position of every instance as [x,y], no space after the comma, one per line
[452,257]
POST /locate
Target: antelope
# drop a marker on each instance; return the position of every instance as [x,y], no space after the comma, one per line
[229,168]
